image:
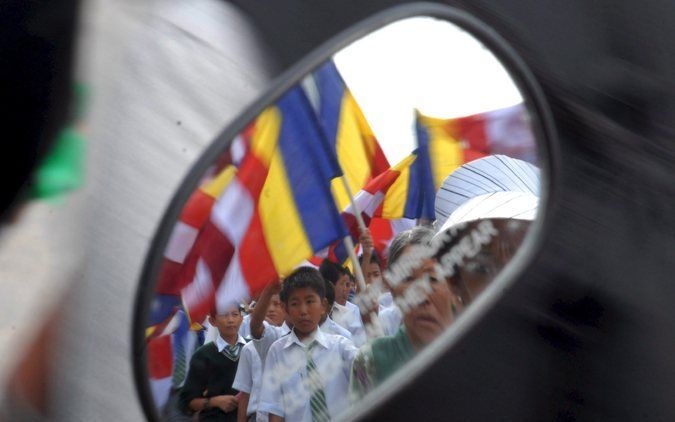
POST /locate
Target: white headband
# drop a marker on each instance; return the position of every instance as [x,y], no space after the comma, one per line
[514,205]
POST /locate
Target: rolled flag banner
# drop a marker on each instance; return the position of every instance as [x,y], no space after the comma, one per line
[487,175]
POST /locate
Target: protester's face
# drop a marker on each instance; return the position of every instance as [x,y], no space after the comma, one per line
[431,311]
[275,312]
[227,323]
[342,288]
[373,272]
[477,272]
[304,309]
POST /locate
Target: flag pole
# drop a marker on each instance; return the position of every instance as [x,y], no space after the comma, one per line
[349,244]
[357,212]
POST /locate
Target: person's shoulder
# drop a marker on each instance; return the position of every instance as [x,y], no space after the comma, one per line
[352,306]
[206,349]
[278,345]
[250,345]
[394,345]
[337,341]
[385,342]
[339,330]
[249,350]
[205,353]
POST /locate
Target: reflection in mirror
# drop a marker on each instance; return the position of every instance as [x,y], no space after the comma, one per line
[343,230]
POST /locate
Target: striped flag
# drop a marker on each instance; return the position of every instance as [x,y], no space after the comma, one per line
[422,176]
[395,196]
[347,131]
[162,319]
[173,273]
[276,212]
[169,353]
[453,142]
[160,364]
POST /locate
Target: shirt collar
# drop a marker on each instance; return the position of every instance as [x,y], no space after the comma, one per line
[339,308]
[328,322]
[319,337]
[221,343]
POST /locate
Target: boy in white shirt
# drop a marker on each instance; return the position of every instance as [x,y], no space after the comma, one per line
[345,313]
[306,373]
[249,372]
[327,324]
[248,382]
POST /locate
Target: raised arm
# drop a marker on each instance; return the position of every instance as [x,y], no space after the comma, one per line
[367,245]
[260,309]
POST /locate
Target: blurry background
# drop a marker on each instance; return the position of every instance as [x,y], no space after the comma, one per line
[164,77]
[600,290]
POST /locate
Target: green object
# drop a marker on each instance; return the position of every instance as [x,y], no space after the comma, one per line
[62,169]
[391,353]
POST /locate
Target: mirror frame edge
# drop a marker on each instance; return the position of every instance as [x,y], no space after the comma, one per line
[545,138]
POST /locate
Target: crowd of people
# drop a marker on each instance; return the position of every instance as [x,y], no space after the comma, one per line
[314,343]
[318,341]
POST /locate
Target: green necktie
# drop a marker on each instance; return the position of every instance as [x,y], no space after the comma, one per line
[317,400]
[179,364]
[232,352]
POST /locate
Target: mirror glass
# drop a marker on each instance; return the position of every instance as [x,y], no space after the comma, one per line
[343,230]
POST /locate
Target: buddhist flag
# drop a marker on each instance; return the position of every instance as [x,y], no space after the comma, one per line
[161,320]
[453,142]
[160,369]
[398,194]
[174,275]
[347,131]
[277,211]
[445,151]
[406,195]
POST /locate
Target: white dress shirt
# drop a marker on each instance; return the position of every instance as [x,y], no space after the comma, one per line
[271,333]
[285,390]
[221,343]
[331,327]
[249,379]
[385,300]
[390,320]
[349,317]
[245,327]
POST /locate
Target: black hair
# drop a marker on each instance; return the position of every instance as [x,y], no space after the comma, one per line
[346,271]
[213,312]
[330,292]
[300,278]
[330,271]
[373,258]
